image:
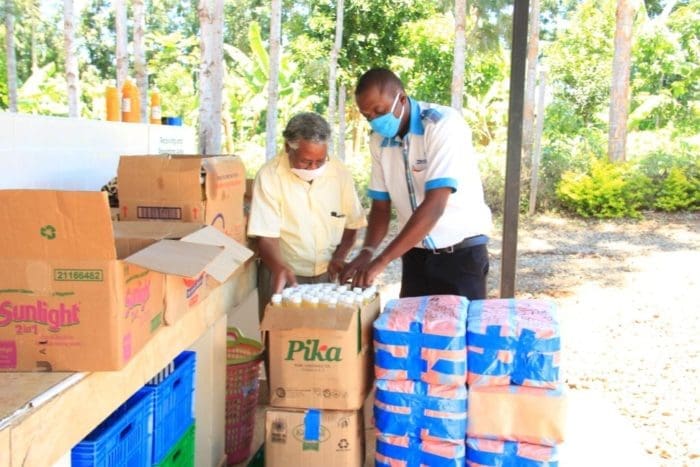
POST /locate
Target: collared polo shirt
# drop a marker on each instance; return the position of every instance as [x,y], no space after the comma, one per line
[308,218]
[440,154]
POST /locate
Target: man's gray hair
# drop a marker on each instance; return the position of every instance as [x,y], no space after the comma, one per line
[308,126]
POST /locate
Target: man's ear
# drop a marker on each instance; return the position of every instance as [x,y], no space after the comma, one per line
[287,147]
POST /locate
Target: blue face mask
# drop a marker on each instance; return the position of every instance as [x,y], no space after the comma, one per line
[387,125]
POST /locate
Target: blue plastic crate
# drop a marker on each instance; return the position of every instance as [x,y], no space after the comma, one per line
[122,439]
[173,405]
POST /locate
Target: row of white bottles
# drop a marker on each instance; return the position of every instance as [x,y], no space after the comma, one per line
[324,295]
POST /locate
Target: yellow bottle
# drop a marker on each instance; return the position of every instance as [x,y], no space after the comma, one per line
[155,107]
[131,104]
[112,104]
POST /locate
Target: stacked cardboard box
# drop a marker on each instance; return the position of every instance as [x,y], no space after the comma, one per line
[320,374]
[81,295]
[420,407]
[172,190]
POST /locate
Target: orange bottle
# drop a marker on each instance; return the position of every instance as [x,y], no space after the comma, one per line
[112,104]
[155,107]
[131,105]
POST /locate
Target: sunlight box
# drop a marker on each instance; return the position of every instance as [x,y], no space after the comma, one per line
[190,188]
[314,438]
[68,301]
[320,358]
[187,283]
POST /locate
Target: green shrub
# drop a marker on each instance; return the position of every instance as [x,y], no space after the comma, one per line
[675,178]
[564,154]
[677,192]
[605,191]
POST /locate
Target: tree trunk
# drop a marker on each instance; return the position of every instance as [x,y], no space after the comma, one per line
[332,71]
[140,56]
[531,81]
[341,122]
[459,49]
[273,79]
[620,86]
[11,58]
[534,176]
[72,74]
[211,20]
[121,56]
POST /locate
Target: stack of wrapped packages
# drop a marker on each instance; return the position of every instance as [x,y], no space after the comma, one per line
[420,408]
[516,400]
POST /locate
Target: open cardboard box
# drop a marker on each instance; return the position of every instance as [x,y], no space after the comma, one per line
[320,358]
[191,188]
[158,246]
[68,301]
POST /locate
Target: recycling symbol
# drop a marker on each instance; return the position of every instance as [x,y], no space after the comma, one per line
[48,231]
[343,444]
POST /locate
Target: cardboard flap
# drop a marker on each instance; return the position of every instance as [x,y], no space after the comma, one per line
[169,178]
[156,230]
[282,318]
[230,259]
[52,224]
[176,257]
[223,173]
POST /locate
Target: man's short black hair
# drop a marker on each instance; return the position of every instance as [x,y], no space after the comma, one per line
[381,78]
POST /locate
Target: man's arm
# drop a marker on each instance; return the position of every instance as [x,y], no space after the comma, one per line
[416,229]
[377,228]
[337,262]
[271,255]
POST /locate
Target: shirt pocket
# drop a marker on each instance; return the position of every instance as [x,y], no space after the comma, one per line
[336,226]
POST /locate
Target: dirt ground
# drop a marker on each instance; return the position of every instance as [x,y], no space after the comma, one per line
[627,294]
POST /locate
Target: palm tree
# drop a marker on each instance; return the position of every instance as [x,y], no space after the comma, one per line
[11,58]
[273,81]
[211,73]
[121,56]
[332,71]
[459,49]
[140,56]
[620,85]
[72,73]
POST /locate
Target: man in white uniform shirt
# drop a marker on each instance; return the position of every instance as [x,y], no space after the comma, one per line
[423,163]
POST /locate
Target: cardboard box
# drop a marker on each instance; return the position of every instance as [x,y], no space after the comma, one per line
[204,189]
[313,438]
[518,413]
[183,291]
[320,358]
[68,302]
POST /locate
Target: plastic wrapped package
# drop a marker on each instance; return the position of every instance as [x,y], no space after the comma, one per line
[517,413]
[421,410]
[407,451]
[491,453]
[513,341]
[422,339]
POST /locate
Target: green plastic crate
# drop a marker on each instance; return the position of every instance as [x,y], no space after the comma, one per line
[182,454]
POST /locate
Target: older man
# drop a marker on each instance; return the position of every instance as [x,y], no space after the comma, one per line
[423,163]
[305,211]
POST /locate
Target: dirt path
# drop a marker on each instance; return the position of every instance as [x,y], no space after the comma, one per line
[628,294]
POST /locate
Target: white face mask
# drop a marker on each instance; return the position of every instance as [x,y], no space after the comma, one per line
[308,175]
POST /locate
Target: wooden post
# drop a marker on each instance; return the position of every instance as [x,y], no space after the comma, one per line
[511,204]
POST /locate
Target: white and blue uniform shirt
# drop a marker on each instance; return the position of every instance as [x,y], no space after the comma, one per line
[439,153]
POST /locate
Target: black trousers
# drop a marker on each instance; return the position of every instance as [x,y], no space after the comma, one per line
[462,272]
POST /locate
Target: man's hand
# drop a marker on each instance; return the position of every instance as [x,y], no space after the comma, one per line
[282,277]
[364,277]
[335,267]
